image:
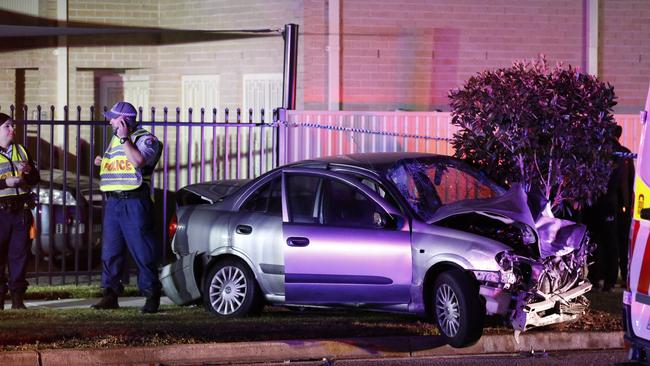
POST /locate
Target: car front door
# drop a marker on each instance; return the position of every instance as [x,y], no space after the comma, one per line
[343,243]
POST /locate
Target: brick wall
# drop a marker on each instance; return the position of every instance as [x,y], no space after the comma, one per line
[408,54]
[314,43]
[94,57]
[624,51]
[405,54]
[228,58]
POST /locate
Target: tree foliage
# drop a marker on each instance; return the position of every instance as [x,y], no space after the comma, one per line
[549,128]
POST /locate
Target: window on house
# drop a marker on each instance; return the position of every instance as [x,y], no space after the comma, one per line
[200,91]
[261,91]
[27,7]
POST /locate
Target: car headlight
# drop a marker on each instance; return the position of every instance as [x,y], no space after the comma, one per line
[57,197]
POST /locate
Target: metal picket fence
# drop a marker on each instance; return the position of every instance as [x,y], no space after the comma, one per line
[208,145]
[67,220]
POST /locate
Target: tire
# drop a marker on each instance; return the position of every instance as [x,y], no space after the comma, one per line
[457,309]
[230,290]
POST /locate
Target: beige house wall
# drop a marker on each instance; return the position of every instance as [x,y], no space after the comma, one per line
[393,55]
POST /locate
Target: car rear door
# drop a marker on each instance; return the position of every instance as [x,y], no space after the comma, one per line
[336,248]
[256,232]
[639,260]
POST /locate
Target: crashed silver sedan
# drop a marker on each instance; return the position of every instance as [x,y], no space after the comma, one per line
[409,232]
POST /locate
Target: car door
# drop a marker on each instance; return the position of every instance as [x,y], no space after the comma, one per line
[342,245]
[256,232]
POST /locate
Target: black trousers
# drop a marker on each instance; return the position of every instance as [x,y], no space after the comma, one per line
[605,266]
[14,249]
[624,222]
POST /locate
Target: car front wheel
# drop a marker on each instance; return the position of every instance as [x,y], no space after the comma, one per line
[457,308]
[230,290]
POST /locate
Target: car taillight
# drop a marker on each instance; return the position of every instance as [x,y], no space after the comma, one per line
[32,229]
[173,225]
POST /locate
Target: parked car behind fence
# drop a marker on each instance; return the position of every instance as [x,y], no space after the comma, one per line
[67,228]
[68,219]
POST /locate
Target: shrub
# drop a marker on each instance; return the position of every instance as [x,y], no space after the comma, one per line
[549,128]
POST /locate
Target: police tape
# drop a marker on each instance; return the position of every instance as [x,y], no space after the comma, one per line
[622,154]
[367,131]
[397,134]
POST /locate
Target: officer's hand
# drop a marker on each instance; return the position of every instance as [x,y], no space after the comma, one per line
[98,160]
[121,128]
[23,167]
[13,182]
[20,166]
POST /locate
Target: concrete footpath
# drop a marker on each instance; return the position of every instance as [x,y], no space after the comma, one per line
[299,350]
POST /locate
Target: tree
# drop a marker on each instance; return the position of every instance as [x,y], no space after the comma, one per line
[547,128]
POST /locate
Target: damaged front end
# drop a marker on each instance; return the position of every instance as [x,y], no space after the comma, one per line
[547,290]
[543,278]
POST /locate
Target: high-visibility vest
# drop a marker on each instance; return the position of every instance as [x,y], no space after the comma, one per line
[8,169]
[117,173]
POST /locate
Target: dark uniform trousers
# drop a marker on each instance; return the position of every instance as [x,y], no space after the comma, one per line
[128,224]
[14,248]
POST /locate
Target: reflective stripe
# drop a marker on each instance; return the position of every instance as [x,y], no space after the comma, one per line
[644,277]
[644,299]
[117,173]
[8,169]
[635,233]
[641,194]
[638,268]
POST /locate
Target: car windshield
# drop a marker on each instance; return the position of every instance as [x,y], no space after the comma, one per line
[429,183]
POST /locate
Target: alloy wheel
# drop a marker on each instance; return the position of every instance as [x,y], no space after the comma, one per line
[227,290]
[447,310]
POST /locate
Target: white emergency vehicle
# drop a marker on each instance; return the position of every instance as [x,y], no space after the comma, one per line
[636,299]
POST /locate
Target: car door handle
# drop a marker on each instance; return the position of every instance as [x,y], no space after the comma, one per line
[244,229]
[297,242]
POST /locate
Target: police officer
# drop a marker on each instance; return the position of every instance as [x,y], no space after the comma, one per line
[17,174]
[125,178]
[623,175]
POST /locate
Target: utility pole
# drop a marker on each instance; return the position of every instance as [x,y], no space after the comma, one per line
[290,35]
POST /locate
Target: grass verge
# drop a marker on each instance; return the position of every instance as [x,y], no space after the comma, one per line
[86,328]
[43,292]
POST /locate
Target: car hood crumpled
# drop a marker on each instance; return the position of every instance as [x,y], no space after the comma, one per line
[557,237]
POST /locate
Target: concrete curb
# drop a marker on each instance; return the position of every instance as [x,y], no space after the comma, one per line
[274,351]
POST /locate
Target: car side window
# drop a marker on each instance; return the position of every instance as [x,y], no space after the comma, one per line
[346,205]
[266,199]
[301,198]
[381,191]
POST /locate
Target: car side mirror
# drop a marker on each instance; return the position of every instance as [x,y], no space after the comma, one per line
[645,213]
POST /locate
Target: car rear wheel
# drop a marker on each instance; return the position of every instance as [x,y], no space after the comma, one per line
[457,309]
[230,290]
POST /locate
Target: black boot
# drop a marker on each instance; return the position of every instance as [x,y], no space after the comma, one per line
[152,303]
[2,301]
[17,301]
[109,301]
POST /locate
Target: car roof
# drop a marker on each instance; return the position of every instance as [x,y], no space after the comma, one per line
[378,162]
[55,176]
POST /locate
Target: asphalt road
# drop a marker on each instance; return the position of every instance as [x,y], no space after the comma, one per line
[595,358]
